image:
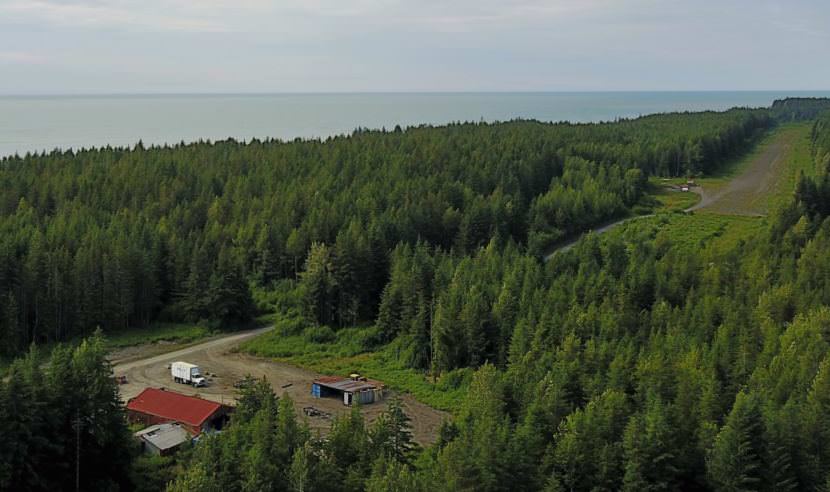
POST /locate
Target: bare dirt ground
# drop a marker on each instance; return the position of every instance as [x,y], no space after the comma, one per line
[223,366]
[746,193]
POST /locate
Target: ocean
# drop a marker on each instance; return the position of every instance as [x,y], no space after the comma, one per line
[38,123]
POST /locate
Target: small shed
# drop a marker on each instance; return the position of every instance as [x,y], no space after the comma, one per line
[162,439]
[354,389]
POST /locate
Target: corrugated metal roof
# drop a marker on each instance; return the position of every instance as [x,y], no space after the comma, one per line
[328,379]
[346,385]
[174,406]
[164,436]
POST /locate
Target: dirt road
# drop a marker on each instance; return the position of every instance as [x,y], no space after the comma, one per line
[747,193]
[223,366]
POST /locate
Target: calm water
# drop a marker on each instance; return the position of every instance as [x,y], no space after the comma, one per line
[35,123]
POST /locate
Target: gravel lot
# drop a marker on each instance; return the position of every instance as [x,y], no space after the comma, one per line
[223,367]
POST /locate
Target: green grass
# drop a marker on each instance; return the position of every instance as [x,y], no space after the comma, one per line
[665,200]
[157,332]
[709,229]
[697,231]
[800,161]
[342,352]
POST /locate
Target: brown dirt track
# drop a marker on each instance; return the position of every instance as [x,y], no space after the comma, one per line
[224,366]
[747,193]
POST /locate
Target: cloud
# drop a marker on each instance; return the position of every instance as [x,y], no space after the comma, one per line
[79,14]
[368,45]
[21,57]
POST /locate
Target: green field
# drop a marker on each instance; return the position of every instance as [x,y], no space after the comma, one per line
[800,161]
[697,231]
[666,200]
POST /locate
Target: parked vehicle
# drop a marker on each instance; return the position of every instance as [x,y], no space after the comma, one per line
[187,373]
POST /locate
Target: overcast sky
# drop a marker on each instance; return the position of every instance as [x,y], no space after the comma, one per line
[118,46]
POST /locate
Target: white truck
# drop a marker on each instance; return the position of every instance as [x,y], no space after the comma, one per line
[186,373]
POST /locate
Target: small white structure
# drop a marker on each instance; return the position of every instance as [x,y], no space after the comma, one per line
[162,439]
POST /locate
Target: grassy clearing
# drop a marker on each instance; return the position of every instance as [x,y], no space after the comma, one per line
[323,350]
[714,226]
[157,332]
[665,200]
[799,161]
[697,231]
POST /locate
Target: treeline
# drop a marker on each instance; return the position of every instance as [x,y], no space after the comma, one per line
[121,237]
[799,108]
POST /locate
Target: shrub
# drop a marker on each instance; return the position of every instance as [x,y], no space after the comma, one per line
[320,334]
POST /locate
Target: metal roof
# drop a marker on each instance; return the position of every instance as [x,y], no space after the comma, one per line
[346,385]
[174,406]
[164,436]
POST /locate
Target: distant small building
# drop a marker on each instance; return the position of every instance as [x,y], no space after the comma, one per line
[162,439]
[352,389]
[159,406]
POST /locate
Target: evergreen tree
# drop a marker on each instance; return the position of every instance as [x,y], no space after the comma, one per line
[736,458]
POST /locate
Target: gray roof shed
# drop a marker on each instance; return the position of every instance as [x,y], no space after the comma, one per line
[162,438]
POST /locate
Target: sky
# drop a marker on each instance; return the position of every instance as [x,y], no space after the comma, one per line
[205,46]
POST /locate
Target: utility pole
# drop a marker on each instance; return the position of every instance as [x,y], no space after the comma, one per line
[78,449]
[431,338]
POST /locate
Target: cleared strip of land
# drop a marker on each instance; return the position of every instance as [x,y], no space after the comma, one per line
[750,186]
[759,181]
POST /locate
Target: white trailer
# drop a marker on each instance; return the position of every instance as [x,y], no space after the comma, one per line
[186,373]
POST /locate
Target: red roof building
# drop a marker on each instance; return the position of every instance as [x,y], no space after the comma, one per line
[158,406]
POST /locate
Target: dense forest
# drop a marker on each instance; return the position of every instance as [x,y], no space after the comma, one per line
[630,361]
[122,237]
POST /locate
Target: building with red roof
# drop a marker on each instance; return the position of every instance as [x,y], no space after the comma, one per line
[158,406]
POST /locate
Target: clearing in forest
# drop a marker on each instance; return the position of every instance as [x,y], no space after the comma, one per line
[224,365]
[760,181]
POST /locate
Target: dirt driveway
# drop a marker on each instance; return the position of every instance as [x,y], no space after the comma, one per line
[223,367]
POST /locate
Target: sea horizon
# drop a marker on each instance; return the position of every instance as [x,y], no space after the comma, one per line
[46,122]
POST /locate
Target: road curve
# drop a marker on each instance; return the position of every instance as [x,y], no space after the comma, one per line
[704,201]
[228,340]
